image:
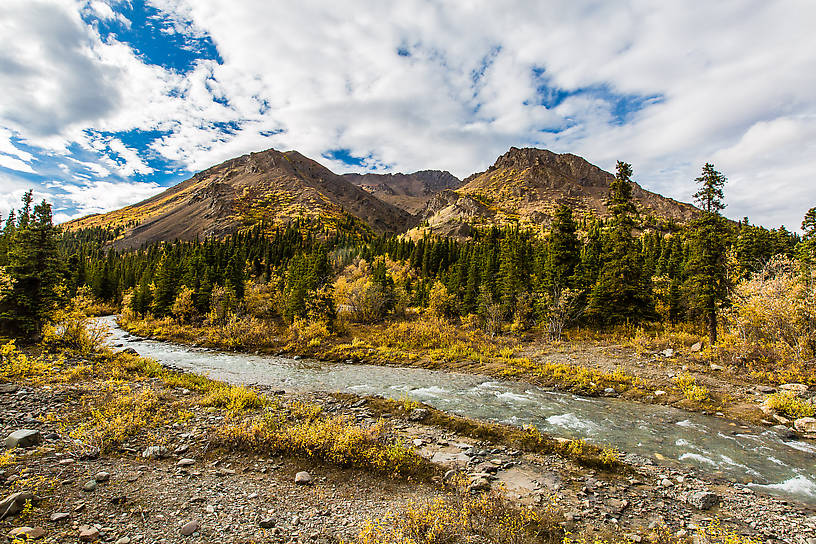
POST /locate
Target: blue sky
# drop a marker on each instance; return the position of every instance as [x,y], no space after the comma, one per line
[107,102]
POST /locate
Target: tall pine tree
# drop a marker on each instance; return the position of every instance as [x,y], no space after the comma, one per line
[707,275]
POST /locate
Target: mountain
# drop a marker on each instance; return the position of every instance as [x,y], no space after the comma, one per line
[526,185]
[523,186]
[411,192]
[271,186]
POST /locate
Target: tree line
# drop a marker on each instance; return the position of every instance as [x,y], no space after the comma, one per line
[596,272]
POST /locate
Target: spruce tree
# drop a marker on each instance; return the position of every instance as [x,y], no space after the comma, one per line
[34,268]
[708,279]
[622,292]
[563,250]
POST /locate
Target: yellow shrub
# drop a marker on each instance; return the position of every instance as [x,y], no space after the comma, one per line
[688,385]
[791,405]
[235,399]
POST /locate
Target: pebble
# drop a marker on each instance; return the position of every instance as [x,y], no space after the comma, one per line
[89,486]
[155,452]
[186,462]
[59,516]
[102,477]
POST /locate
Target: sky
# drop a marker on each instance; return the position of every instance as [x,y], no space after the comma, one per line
[105,103]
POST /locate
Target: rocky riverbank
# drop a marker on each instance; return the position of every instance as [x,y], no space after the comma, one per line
[170,480]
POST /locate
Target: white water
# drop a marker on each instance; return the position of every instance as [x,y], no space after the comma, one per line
[713,445]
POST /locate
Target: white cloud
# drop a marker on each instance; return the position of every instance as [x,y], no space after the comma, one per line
[104,196]
[735,82]
[15,164]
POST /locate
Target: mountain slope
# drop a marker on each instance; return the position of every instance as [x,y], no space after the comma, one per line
[411,192]
[271,186]
[526,186]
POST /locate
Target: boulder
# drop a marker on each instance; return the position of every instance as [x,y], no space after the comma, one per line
[14,503]
[805,425]
[155,452]
[303,478]
[703,500]
[130,351]
[798,389]
[784,432]
[24,438]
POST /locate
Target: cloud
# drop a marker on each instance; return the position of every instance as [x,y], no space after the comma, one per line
[421,84]
[103,196]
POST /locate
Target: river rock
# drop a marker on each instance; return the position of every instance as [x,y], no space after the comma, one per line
[190,527]
[102,477]
[696,347]
[89,486]
[267,523]
[59,516]
[88,533]
[668,352]
[24,438]
[703,500]
[716,367]
[186,462]
[418,414]
[15,502]
[155,452]
[798,389]
[784,432]
[129,351]
[26,533]
[303,478]
[805,425]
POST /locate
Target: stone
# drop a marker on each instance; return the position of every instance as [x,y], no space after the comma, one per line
[479,484]
[798,389]
[88,533]
[418,414]
[24,438]
[155,452]
[102,477]
[89,486]
[123,540]
[696,347]
[130,351]
[267,523]
[766,389]
[8,388]
[610,391]
[186,462]
[14,503]
[665,482]
[716,368]
[805,425]
[659,393]
[190,527]
[59,516]
[449,475]
[784,432]
[703,500]
[668,352]
[26,533]
[418,442]
[303,478]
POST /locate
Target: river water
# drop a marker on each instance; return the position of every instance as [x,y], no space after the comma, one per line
[752,455]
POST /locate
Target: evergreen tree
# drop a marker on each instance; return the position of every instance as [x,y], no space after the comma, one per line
[622,292]
[563,250]
[34,268]
[708,279]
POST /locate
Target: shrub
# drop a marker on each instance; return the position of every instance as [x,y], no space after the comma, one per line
[688,385]
[790,405]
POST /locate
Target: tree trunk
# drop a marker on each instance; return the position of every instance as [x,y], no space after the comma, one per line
[712,327]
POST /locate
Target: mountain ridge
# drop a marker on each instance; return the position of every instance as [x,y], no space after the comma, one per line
[523,186]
